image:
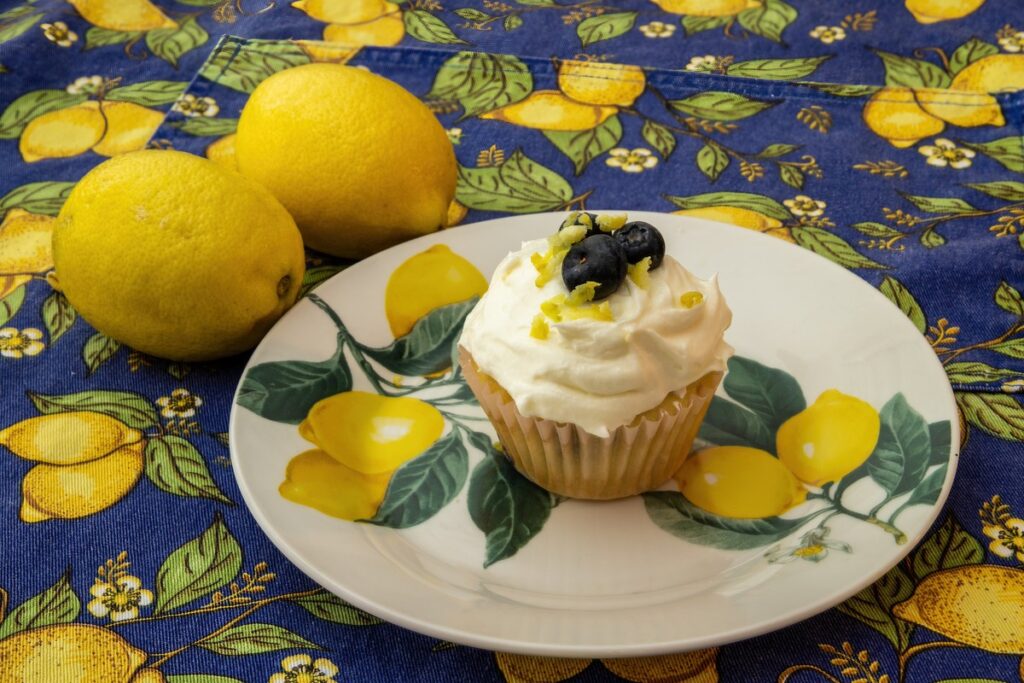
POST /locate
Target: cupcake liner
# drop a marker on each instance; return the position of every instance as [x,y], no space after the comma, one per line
[564,459]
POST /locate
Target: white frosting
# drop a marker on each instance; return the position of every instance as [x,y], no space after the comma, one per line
[596,374]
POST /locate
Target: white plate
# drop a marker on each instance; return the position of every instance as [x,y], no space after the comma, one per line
[602,579]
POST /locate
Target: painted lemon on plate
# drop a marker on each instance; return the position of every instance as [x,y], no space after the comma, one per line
[736,481]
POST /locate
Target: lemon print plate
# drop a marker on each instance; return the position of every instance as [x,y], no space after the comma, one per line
[826,456]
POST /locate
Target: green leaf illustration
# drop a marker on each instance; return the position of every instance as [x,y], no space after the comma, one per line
[519,185]
[694,24]
[324,605]
[198,568]
[772,394]
[997,414]
[58,604]
[659,137]
[873,607]
[777,69]
[729,424]
[254,639]
[604,27]
[11,304]
[947,547]
[201,126]
[422,486]
[426,27]
[712,160]
[833,247]
[169,44]
[843,90]
[676,515]
[715,105]
[509,508]
[17,28]
[200,678]
[927,492]
[98,349]
[1010,190]
[512,22]
[98,36]
[1014,348]
[149,93]
[792,176]
[583,146]
[427,348]
[242,68]
[904,448]
[972,372]
[472,14]
[481,82]
[777,150]
[1009,299]
[58,315]
[970,52]
[175,466]
[1007,151]
[879,230]
[769,20]
[897,292]
[134,410]
[743,200]
[32,104]
[912,73]
[315,277]
[44,197]
[941,437]
[932,239]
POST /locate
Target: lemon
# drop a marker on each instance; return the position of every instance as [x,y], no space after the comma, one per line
[359,161]
[744,218]
[341,11]
[932,11]
[894,114]
[966,109]
[980,605]
[370,433]
[222,151]
[829,438]
[456,213]
[706,8]
[9,283]
[995,73]
[551,110]
[67,438]
[25,243]
[62,133]
[600,83]
[736,481]
[317,480]
[698,666]
[384,31]
[123,15]
[431,279]
[63,653]
[176,256]
[129,127]
[530,669]
[74,491]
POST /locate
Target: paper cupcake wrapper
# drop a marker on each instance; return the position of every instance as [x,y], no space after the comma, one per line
[564,459]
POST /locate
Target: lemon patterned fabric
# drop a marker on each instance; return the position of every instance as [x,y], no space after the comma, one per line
[884,136]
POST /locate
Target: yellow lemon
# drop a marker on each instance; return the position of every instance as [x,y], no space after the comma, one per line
[744,218]
[456,213]
[67,438]
[932,11]
[317,480]
[551,110]
[123,15]
[995,73]
[176,256]
[735,481]
[829,438]
[431,279]
[342,11]
[894,114]
[320,51]
[966,109]
[980,605]
[25,243]
[600,83]
[62,133]
[706,8]
[68,652]
[358,160]
[74,491]
[222,151]
[383,31]
[530,669]
[148,676]
[698,666]
[129,127]
[9,283]
[370,433]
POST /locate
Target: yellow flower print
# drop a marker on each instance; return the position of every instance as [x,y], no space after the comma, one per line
[89,85]
[1005,530]
[828,34]
[180,404]
[1012,41]
[945,153]
[802,205]
[302,669]
[16,344]
[631,160]
[454,135]
[118,599]
[658,29]
[59,33]
[1013,386]
[708,64]
[191,106]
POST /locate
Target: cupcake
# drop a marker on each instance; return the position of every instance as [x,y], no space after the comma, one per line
[595,355]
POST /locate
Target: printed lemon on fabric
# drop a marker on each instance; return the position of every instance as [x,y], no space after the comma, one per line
[357,22]
[89,653]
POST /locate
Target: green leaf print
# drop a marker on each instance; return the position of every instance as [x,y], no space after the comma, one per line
[472,14]
[769,20]
[98,36]
[584,146]
[481,82]
[175,466]
[772,394]
[947,547]
[676,515]
[201,126]
[969,52]
[519,185]
[912,73]
[149,93]
[198,568]
[604,27]
[1009,299]
[426,27]
[945,205]
[11,304]
[1000,415]
[538,3]
[31,105]
[1013,348]
[972,372]
[712,160]
[512,22]
[777,150]
[200,678]
[242,68]
[927,492]
[792,176]
[1007,151]
[134,410]
[422,486]
[58,604]
[941,436]
[880,230]
[843,90]
[897,292]
[12,31]
[716,105]
[98,349]
[873,606]
[328,607]
[659,137]
[169,44]
[254,639]
[44,197]
[315,277]
[1010,190]
[777,69]
[832,247]
[904,448]
[729,424]
[743,200]
[427,348]
[694,24]
[932,239]
[58,315]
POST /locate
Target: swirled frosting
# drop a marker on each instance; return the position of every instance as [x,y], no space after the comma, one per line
[597,374]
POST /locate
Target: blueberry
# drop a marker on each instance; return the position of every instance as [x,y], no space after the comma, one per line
[576,218]
[598,258]
[639,240]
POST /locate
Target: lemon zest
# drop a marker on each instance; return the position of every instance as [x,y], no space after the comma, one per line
[639,272]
